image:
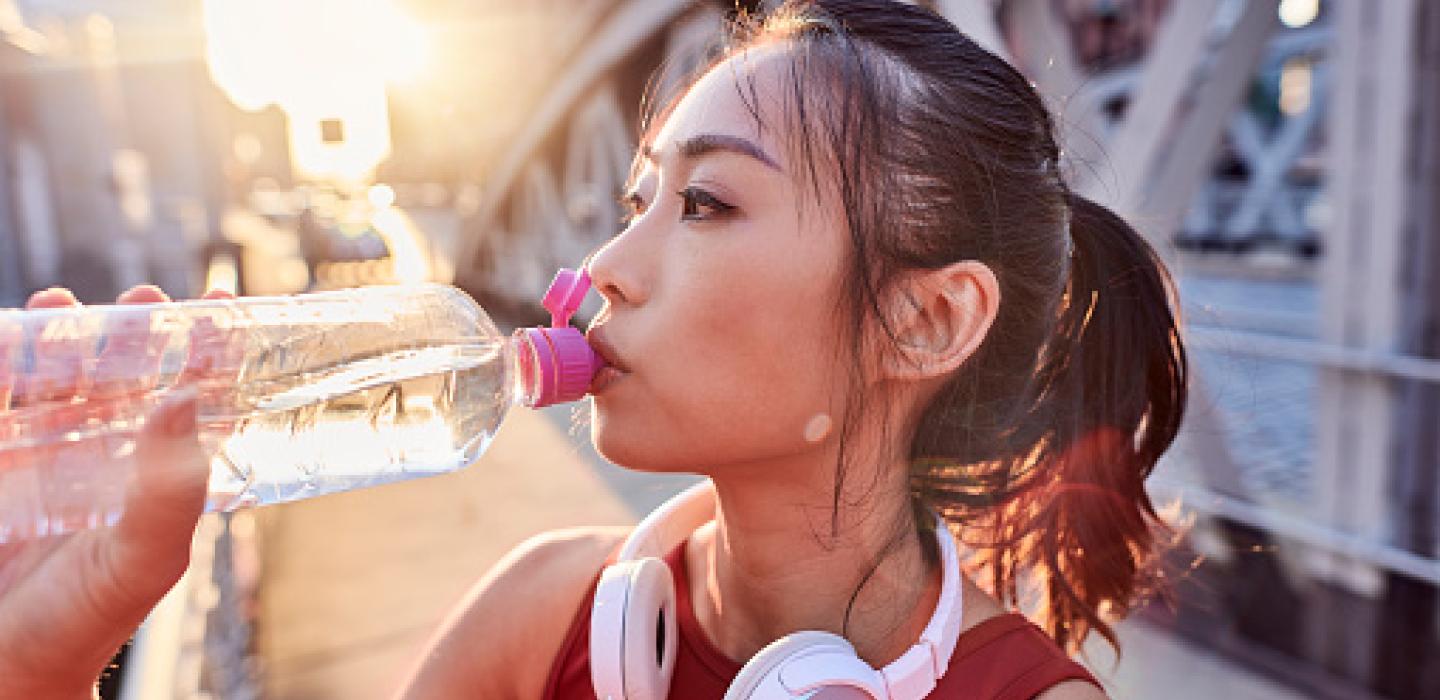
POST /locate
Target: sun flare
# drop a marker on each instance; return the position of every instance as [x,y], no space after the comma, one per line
[325,63]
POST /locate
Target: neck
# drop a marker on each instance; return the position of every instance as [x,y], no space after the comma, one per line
[782,556]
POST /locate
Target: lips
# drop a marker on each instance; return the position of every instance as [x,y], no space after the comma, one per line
[603,348]
[614,368]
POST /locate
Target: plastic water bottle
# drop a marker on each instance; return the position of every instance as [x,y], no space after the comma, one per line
[297,396]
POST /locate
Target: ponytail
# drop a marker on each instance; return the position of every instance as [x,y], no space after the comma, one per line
[1050,483]
[1116,376]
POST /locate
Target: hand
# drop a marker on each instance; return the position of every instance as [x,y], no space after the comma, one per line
[67,602]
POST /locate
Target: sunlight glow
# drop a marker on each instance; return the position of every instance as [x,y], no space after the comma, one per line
[324,63]
[403,238]
[1299,13]
[1295,86]
[223,274]
[380,196]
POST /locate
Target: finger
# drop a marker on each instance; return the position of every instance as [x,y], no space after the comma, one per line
[91,593]
[10,340]
[42,410]
[60,343]
[215,352]
[51,298]
[10,337]
[130,360]
[142,294]
[213,364]
[165,495]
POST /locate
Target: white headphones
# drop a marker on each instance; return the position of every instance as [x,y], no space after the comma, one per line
[635,605]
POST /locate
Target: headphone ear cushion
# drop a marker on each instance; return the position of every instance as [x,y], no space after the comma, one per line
[632,631]
[823,654]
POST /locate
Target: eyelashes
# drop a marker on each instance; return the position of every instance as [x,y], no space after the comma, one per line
[696,204]
[695,200]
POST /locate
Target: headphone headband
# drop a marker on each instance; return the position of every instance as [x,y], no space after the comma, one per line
[667,526]
[943,630]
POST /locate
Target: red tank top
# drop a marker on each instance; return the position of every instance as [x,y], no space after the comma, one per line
[1003,658]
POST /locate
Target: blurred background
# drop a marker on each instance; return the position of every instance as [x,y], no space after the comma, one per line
[1284,155]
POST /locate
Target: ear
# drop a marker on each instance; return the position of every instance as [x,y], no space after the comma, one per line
[940,317]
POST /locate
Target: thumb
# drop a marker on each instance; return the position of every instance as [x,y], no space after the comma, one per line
[166,493]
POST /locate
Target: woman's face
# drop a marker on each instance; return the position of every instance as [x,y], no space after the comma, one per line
[722,293]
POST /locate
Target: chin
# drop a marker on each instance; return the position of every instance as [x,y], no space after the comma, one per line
[631,454]
[637,450]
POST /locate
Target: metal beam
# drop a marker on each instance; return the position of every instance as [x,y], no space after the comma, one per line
[1270,162]
[1322,354]
[1166,116]
[625,28]
[1176,52]
[1302,530]
[1370,143]
[1146,131]
[1414,486]
[1046,54]
[1163,191]
[1043,49]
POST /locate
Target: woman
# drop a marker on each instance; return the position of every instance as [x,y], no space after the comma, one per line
[854,291]
[849,286]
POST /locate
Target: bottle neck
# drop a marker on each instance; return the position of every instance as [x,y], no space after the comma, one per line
[553,365]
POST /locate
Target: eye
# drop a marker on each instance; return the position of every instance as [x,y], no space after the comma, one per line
[633,206]
[699,205]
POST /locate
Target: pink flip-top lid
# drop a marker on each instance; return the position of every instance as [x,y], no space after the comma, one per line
[557,364]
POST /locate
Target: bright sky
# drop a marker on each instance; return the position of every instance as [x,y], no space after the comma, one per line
[316,60]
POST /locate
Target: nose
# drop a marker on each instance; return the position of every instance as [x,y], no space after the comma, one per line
[615,270]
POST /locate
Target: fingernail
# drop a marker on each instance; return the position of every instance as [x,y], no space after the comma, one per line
[179,412]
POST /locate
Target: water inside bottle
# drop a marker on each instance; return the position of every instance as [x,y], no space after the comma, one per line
[368,421]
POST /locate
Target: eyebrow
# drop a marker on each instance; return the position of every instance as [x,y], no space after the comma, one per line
[706,144]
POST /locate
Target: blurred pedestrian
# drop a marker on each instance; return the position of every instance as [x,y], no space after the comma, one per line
[314,241]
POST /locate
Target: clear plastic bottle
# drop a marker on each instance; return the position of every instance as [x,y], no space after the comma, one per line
[298,396]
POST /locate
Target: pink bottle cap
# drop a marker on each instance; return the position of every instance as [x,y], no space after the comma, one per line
[557,363]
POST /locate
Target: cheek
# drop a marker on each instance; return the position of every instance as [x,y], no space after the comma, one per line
[741,378]
[768,351]
[736,348]
[712,413]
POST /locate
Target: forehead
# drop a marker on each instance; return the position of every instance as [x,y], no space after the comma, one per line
[741,96]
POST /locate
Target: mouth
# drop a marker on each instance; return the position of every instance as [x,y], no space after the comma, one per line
[615,368]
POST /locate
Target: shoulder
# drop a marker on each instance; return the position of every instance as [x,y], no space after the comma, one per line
[549,573]
[1072,690]
[564,559]
[502,637]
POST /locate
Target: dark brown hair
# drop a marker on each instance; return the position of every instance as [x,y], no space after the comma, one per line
[1037,448]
